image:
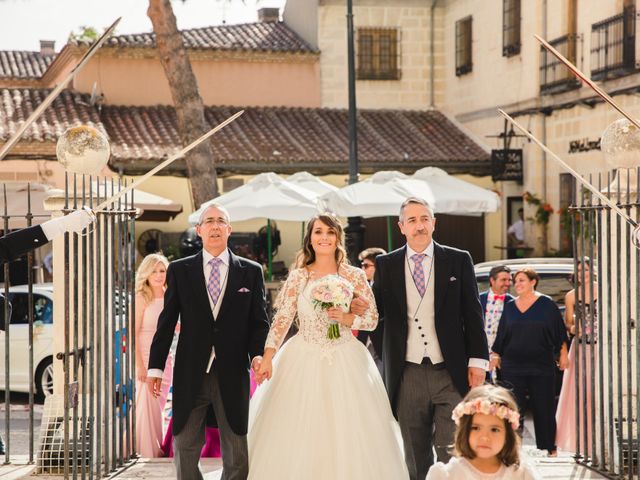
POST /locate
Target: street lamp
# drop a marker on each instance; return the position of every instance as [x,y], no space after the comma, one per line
[355,228]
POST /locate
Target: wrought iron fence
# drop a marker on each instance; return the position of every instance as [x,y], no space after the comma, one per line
[88,423]
[604,353]
[613,45]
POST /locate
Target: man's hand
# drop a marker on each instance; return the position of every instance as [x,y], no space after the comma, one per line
[255,366]
[359,306]
[476,376]
[265,370]
[154,384]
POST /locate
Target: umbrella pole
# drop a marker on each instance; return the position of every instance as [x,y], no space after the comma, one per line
[269,248]
[389,235]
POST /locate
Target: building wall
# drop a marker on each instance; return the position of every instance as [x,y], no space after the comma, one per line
[514,84]
[286,80]
[298,16]
[412,17]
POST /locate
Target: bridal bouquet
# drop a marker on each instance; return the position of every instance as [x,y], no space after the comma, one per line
[332,291]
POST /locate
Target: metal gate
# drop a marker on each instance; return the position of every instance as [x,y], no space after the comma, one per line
[605,349]
[88,427]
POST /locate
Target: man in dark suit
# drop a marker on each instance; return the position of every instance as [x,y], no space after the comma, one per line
[220,300]
[492,302]
[434,347]
[371,340]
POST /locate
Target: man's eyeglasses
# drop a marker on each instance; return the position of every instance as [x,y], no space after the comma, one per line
[366,265]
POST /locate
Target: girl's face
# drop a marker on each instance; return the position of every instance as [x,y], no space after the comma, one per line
[158,278]
[487,435]
[586,274]
[324,239]
[522,284]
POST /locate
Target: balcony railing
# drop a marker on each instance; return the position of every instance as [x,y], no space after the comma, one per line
[613,46]
[554,76]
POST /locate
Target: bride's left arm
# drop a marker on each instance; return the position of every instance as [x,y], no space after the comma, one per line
[369,319]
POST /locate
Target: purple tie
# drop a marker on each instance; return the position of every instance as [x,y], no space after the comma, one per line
[418,272]
[213,285]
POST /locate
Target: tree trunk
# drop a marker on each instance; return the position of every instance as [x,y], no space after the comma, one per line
[186,98]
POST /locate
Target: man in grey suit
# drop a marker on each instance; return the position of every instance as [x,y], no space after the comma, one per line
[434,347]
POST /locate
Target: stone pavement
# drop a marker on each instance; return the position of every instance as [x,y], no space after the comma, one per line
[560,468]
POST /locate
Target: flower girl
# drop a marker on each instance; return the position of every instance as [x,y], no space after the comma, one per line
[486,443]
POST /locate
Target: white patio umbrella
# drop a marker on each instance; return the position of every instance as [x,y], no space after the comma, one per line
[454,196]
[265,196]
[17,203]
[312,183]
[383,193]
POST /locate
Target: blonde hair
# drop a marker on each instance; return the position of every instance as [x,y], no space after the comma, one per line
[499,396]
[145,269]
[307,255]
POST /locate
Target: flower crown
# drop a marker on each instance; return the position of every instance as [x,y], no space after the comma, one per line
[482,405]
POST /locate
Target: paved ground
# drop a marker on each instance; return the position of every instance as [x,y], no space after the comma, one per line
[561,468]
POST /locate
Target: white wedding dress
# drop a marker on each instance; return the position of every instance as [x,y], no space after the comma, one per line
[325,413]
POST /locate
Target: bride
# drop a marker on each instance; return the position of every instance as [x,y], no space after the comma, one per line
[325,413]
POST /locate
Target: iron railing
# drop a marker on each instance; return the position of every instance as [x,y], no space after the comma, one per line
[613,46]
[606,345]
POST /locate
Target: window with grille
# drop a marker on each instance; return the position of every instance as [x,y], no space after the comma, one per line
[555,77]
[510,27]
[463,46]
[378,54]
[613,43]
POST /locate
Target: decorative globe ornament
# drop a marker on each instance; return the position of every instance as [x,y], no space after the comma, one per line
[620,145]
[83,149]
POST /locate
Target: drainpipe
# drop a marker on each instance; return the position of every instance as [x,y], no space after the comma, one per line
[432,102]
[545,35]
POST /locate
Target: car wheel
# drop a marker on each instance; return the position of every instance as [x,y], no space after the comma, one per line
[44,378]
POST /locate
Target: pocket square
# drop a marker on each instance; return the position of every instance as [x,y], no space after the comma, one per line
[244,290]
[452,279]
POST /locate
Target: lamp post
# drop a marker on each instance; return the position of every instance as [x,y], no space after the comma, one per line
[355,229]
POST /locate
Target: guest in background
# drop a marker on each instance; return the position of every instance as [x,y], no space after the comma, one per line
[515,236]
[151,282]
[530,336]
[581,309]
[371,340]
[492,302]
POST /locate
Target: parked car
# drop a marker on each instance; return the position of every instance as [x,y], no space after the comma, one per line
[555,275]
[19,340]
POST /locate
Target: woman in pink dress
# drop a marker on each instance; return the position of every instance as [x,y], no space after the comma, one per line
[584,343]
[150,285]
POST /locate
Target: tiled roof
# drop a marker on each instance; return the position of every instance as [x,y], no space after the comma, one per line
[264,138]
[24,65]
[259,36]
[68,109]
[286,139]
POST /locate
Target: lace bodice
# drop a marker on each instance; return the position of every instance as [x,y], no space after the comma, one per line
[295,299]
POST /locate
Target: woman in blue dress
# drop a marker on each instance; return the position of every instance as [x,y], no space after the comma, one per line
[530,337]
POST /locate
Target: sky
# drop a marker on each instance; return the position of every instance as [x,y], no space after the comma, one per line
[23,23]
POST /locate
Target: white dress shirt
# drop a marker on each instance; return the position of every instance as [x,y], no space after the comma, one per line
[215,307]
[422,338]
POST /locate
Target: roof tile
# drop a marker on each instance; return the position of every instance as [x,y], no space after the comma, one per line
[21,64]
[260,36]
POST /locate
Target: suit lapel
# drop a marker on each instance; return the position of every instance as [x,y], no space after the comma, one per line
[199,285]
[234,278]
[443,270]
[397,272]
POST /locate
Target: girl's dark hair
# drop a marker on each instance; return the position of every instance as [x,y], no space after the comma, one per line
[307,255]
[509,454]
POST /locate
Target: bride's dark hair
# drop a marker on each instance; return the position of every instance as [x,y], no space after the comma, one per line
[307,255]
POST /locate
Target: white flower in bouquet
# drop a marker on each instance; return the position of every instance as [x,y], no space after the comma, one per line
[332,291]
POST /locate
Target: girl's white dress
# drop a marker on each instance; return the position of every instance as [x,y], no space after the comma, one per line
[461,469]
[325,413]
